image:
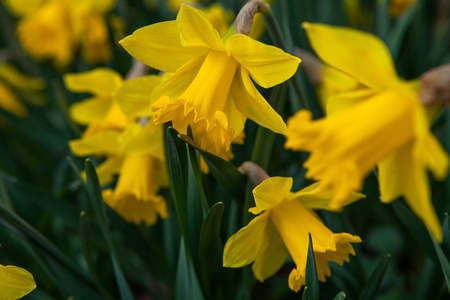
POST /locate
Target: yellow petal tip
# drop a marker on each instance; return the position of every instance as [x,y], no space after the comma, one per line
[304,25]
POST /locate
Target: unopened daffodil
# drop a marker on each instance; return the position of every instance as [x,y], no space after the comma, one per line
[281,227]
[381,124]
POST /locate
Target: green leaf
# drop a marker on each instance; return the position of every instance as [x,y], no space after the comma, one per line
[311,280]
[305,295]
[416,227]
[209,240]
[198,176]
[187,285]
[371,287]
[340,296]
[444,263]
[226,174]
[20,227]
[177,167]
[98,205]
[152,255]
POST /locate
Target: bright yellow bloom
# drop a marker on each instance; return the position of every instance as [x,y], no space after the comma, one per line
[134,147]
[210,89]
[55,29]
[219,17]
[15,282]
[12,80]
[398,7]
[380,124]
[281,228]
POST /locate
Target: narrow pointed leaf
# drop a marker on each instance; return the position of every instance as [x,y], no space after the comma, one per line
[371,287]
[340,296]
[176,156]
[95,195]
[187,285]
[226,174]
[311,280]
[444,263]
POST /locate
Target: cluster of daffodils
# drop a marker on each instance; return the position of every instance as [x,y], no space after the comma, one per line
[374,121]
[55,29]
[210,81]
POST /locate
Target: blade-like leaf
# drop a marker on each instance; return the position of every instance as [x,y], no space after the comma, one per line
[311,280]
[371,287]
[176,156]
[340,296]
[187,285]
[444,263]
[95,195]
[226,174]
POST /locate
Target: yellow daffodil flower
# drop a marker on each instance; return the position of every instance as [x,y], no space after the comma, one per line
[281,227]
[134,152]
[15,282]
[54,29]
[11,80]
[380,124]
[219,17]
[210,88]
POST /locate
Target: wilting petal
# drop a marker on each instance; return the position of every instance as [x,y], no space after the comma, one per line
[15,282]
[268,65]
[196,30]
[99,82]
[252,105]
[378,70]
[244,246]
[133,97]
[159,47]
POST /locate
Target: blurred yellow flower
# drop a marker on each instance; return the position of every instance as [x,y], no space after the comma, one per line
[15,282]
[55,29]
[210,89]
[380,124]
[11,80]
[133,146]
[281,228]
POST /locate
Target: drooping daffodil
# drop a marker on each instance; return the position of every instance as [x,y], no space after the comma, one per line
[281,227]
[379,124]
[210,88]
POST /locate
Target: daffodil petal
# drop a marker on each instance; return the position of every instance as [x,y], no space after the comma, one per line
[271,192]
[251,104]
[436,159]
[343,101]
[315,196]
[196,30]
[15,282]
[108,169]
[99,144]
[269,261]
[159,47]
[133,96]
[243,247]
[378,71]
[173,85]
[99,82]
[138,140]
[89,110]
[416,189]
[22,7]
[268,65]
[101,6]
